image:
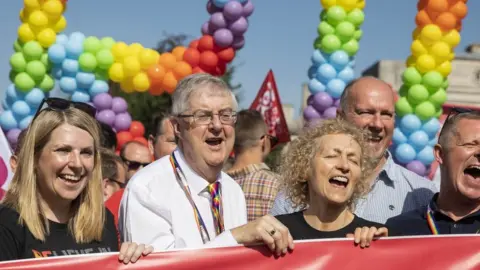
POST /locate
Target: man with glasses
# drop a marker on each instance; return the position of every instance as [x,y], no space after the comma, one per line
[456,208]
[252,145]
[136,156]
[113,173]
[184,200]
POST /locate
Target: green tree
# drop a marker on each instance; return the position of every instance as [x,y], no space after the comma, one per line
[142,106]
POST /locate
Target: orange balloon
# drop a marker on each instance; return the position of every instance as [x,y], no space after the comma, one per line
[198,70]
[137,129]
[447,21]
[169,82]
[226,55]
[155,73]
[206,43]
[192,57]
[432,14]
[459,9]
[156,89]
[208,59]
[458,27]
[178,52]
[141,140]
[422,18]
[421,4]
[122,138]
[168,60]
[437,5]
[182,70]
[194,44]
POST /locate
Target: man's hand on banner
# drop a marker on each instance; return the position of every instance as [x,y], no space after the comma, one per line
[268,230]
[131,252]
[364,236]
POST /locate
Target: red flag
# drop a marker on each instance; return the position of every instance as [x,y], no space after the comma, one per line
[269,105]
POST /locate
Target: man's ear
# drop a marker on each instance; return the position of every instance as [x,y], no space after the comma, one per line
[439,153]
[151,143]
[176,126]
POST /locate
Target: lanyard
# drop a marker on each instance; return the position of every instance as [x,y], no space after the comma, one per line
[431,221]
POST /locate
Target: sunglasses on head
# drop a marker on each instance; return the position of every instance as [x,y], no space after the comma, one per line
[60,104]
[273,139]
[134,165]
[455,111]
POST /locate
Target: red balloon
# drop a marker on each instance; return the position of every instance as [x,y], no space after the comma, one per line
[198,70]
[192,57]
[193,44]
[221,68]
[206,43]
[226,54]
[208,60]
[122,138]
[137,129]
[141,140]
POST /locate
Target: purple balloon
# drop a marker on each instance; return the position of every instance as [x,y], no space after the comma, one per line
[217,21]
[211,8]
[248,8]
[119,105]
[310,100]
[205,28]
[122,121]
[239,27]
[106,116]
[233,10]
[336,103]
[310,113]
[417,167]
[330,113]
[238,42]
[223,38]
[102,101]
[322,101]
[12,137]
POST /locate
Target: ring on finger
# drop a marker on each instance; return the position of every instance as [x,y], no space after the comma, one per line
[272,232]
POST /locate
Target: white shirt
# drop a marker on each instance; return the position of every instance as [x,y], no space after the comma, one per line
[155,210]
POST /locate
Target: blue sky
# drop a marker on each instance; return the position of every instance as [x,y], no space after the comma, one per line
[280,35]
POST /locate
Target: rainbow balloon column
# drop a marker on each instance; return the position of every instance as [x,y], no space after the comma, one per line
[30,77]
[425,82]
[332,60]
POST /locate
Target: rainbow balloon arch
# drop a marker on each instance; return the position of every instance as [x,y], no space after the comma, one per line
[81,66]
[425,82]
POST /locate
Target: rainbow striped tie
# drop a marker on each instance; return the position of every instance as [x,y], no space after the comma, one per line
[214,190]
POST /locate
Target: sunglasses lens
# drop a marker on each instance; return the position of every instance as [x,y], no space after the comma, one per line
[86,108]
[58,103]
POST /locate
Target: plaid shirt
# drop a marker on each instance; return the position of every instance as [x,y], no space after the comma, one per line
[260,186]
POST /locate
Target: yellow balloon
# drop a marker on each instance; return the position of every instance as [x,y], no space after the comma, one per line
[411,60]
[452,38]
[127,85]
[38,19]
[141,83]
[440,50]
[451,56]
[22,15]
[430,34]
[25,33]
[119,51]
[361,4]
[147,58]
[116,72]
[131,66]
[425,63]
[416,33]
[31,4]
[135,49]
[53,8]
[444,68]
[328,3]
[418,48]
[46,37]
[60,25]
[348,5]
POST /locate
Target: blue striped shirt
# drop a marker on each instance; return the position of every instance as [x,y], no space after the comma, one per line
[396,190]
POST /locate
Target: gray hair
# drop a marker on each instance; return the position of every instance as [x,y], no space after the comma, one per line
[450,126]
[191,84]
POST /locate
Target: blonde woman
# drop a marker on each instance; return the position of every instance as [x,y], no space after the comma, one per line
[54,204]
[325,172]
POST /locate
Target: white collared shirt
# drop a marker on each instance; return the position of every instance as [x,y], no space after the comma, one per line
[154,209]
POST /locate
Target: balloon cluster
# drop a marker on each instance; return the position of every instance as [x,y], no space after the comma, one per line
[136,132]
[425,82]
[112,111]
[81,64]
[333,58]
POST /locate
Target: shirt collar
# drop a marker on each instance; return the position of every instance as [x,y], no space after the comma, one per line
[248,170]
[433,206]
[388,170]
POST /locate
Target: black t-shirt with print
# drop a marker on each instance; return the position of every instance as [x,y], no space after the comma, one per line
[301,230]
[16,241]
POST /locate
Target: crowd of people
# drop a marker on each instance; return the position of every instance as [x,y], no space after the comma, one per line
[71,194]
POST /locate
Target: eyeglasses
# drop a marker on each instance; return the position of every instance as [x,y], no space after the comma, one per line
[227,117]
[453,112]
[134,165]
[60,104]
[120,184]
[273,139]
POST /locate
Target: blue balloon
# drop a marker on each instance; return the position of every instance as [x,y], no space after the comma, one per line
[347,75]
[325,73]
[84,80]
[23,124]
[12,94]
[34,98]
[98,87]
[81,96]
[398,137]
[20,109]
[315,86]
[426,155]
[62,39]
[405,153]
[57,53]
[319,58]
[312,72]
[220,3]
[70,67]
[431,127]
[242,1]
[68,84]
[433,142]
[5,105]
[410,123]
[74,49]
[418,139]
[352,63]
[57,72]
[78,37]
[339,59]
[335,88]
[8,121]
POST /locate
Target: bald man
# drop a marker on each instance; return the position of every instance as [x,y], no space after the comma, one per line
[369,103]
[136,156]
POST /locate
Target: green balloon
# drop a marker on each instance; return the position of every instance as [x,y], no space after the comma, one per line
[323,15]
[425,110]
[36,70]
[18,46]
[324,28]
[104,58]
[411,76]
[46,62]
[18,62]
[107,42]
[438,98]
[403,91]
[24,82]
[12,75]
[356,16]
[336,14]
[32,51]
[402,107]
[417,94]
[345,31]
[445,84]
[47,83]
[439,113]
[432,80]
[87,62]
[351,47]
[331,43]
[317,44]
[92,45]
[358,34]
[101,74]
